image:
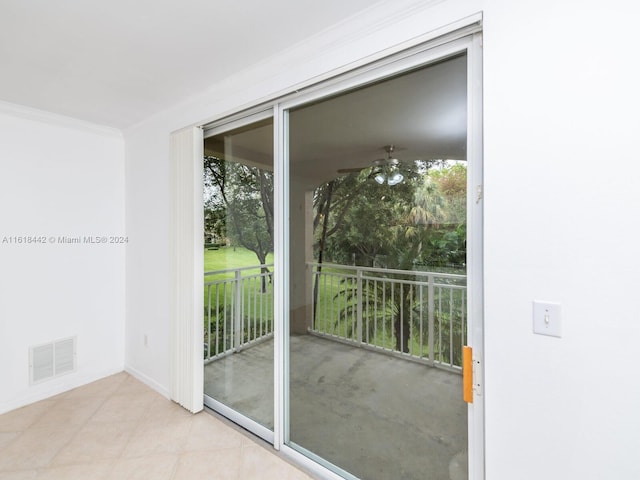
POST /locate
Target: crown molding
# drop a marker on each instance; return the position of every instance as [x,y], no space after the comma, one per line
[42,116]
[382,29]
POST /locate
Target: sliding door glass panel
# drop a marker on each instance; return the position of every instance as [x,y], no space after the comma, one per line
[238,243]
[378,301]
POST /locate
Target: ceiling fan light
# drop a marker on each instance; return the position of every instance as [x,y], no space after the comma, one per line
[395,179]
[380,178]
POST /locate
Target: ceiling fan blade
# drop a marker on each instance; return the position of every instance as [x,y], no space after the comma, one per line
[351,170]
[376,163]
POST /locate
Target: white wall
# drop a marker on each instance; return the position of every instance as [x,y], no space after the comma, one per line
[59,177]
[561,205]
[147,271]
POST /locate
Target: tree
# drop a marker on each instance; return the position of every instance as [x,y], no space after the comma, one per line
[331,202]
[451,181]
[370,228]
[394,227]
[446,246]
[245,194]
[215,223]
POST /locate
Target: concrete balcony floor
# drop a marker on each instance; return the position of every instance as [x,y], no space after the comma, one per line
[376,416]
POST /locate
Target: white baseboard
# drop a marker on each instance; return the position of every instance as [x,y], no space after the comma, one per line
[150,382]
[60,385]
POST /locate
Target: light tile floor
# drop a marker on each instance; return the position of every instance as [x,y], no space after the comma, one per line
[119,429]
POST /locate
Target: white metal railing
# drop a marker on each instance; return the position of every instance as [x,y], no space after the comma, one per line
[238,309]
[413,314]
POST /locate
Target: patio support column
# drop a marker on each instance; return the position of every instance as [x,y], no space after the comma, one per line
[301,253]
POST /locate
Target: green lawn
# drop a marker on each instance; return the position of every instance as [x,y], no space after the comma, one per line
[230,257]
[227,258]
[257,304]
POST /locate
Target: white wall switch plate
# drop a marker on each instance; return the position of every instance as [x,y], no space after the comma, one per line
[546,318]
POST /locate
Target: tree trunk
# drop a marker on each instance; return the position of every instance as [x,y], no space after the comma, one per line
[323,237]
[401,324]
[263,270]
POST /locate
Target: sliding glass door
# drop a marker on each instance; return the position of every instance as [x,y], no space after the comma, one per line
[343,235]
[238,255]
[378,285]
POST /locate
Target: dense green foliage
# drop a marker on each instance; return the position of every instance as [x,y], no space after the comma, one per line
[418,224]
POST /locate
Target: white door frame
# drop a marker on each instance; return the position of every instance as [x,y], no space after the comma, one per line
[475,254]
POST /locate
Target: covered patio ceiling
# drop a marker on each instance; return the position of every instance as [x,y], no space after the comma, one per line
[423,113]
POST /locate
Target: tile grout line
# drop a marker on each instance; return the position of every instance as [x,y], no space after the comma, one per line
[129,439]
[61,399]
[80,428]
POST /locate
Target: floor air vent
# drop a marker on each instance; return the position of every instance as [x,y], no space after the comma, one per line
[52,359]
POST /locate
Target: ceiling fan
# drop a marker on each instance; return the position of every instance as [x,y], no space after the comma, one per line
[385,169]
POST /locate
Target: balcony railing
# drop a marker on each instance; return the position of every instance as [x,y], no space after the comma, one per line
[238,309]
[413,314]
[421,316]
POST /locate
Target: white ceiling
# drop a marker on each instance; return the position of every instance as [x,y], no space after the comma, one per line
[117,62]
